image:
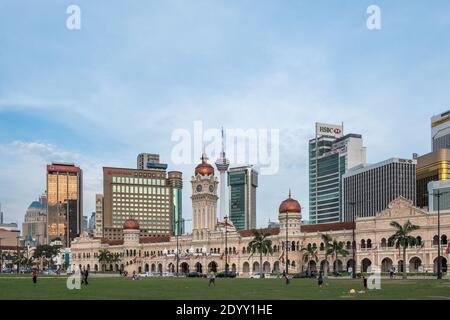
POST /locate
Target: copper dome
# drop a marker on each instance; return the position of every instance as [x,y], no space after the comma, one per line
[204,168]
[290,205]
[131,224]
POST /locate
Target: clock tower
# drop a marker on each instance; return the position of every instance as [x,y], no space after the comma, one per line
[204,198]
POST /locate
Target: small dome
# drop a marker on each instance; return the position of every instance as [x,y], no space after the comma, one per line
[290,205]
[204,168]
[131,224]
[36,205]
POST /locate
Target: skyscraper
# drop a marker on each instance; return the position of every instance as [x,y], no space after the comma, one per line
[175,179]
[35,221]
[330,155]
[91,224]
[144,194]
[433,166]
[369,189]
[243,182]
[98,216]
[222,165]
[64,202]
[440,131]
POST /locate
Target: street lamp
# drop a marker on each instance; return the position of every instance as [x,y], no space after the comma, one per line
[226,245]
[177,233]
[439,262]
[1,256]
[18,256]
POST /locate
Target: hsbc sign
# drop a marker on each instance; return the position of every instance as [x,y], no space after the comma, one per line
[323,129]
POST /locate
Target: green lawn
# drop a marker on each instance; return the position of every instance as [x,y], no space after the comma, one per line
[21,287]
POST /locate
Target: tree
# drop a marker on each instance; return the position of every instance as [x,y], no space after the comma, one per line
[327,240]
[335,249]
[104,256]
[402,239]
[310,253]
[260,244]
[46,252]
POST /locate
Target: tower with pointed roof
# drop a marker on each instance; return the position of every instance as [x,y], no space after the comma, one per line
[204,198]
[222,165]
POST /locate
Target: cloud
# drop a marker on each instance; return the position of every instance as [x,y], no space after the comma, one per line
[23,175]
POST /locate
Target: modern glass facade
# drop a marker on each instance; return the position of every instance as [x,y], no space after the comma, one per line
[64,202]
[433,166]
[329,159]
[176,182]
[243,182]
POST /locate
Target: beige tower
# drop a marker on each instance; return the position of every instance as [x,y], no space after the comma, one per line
[204,198]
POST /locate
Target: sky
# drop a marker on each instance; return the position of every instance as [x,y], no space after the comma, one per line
[138,70]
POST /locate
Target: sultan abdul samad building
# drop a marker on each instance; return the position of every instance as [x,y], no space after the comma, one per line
[204,248]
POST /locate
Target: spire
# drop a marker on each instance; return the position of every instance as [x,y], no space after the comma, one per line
[204,157]
[223,144]
[289,193]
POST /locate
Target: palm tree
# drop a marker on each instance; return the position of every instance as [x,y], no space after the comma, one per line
[104,256]
[335,249]
[262,245]
[309,254]
[401,238]
[115,257]
[326,239]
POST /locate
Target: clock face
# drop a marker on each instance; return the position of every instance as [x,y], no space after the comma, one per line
[211,188]
[199,188]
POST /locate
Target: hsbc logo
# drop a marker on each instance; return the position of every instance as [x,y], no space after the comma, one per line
[334,131]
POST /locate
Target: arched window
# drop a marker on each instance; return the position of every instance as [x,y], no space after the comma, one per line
[444,239]
[435,240]
[322,246]
[363,244]
[348,245]
[293,245]
[418,241]
[369,243]
[383,243]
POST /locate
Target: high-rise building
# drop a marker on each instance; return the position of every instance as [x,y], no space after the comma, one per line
[147,161]
[98,216]
[175,179]
[91,224]
[144,194]
[64,202]
[84,223]
[440,131]
[433,166]
[369,189]
[331,155]
[439,195]
[35,221]
[222,165]
[242,182]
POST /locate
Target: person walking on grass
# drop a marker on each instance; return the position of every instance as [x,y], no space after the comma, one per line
[212,278]
[85,277]
[364,283]
[34,275]
[320,279]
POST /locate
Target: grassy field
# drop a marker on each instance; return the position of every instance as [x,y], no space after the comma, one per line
[21,287]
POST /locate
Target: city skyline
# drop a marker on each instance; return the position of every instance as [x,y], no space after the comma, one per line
[106,100]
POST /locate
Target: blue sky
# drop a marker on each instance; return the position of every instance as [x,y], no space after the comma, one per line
[137,70]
